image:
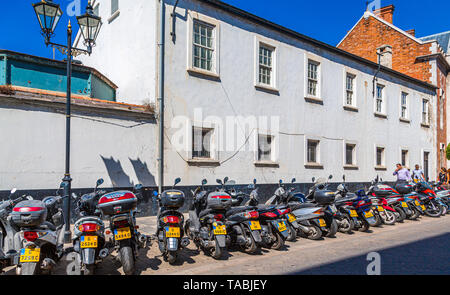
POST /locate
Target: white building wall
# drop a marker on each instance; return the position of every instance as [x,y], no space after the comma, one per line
[234,94]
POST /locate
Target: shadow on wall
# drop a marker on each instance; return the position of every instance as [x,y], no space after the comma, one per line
[120,179]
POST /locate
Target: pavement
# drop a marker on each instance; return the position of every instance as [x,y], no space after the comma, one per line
[412,247]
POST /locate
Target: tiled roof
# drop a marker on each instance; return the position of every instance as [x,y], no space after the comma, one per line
[442,38]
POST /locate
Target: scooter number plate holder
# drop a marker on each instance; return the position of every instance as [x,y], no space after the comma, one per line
[30,255]
[254,225]
[291,217]
[322,222]
[353,213]
[368,214]
[380,209]
[172,232]
[89,242]
[282,226]
[219,230]
[122,234]
[404,205]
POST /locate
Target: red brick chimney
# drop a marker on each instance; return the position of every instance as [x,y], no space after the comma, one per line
[386,13]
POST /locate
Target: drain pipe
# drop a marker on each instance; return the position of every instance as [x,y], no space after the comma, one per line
[161,96]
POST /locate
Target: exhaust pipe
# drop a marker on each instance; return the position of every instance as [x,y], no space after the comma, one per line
[305,229]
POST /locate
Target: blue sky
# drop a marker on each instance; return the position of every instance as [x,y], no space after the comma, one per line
[325,20]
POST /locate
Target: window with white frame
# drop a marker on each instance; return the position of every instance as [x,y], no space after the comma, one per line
[265,64]
[349,89]
[405,158]
[313,78]
[379,157]
[441,111]
[203,46]
[379,102]
[202,142]
[114,6]
[312,151]
[265,147]
[404,106]
[425,112]
[350,153]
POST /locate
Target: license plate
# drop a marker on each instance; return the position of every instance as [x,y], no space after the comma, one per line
[30,255]
[254,225]
[353,213]
[122,233]
[380,208]
[220,230]
[172,232]
[368,214]
[89,242]
[423,207]
[322,222]
[404,205]
[282,226]
[417,203]
[291,217]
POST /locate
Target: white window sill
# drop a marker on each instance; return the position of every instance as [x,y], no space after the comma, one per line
[380,115]
[425,125]
[351,108]
[313,166]
[351,167]
[203,73]
[314,99]
[380,168]
[267,88]
[266,164]
[113,16]
[405,120]
[203,162]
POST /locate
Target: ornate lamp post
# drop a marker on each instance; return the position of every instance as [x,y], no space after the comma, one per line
[49,14]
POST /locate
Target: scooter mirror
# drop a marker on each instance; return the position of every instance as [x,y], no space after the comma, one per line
[343,177]
[29,198]
[280,182]
[177,181]
[138,187]
[330,177]
[293,180]
[313,179]
[74,196]
[155,193]
[13,191]
[219,181]
[100,181]
[254,181]
[225,180]
[204,181]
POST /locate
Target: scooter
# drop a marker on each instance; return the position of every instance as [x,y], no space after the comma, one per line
[206,225]
[89,244]
[9,247]
[41,234]
[170,229]
[377,193]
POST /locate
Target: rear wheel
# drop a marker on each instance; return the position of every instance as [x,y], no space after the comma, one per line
[401,212]
[437,212]
[388,217]
[292,233]
[315,233]
[172,257]
[187,230]
[333,229]
[89,270]
[346,225]
[279,242]
[216,251]
[250,246]
[127,260]
[364,225]
[415,214]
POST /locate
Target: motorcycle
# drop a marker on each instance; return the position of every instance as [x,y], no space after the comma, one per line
[377,194]
[41,235]
[170,221]
[120,209]
[428,197]
[206,225]
[89,243]
[8,245]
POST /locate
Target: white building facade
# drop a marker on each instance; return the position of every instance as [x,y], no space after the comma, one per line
[315,109]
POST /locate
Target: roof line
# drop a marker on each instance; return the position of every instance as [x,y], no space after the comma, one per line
[434,35]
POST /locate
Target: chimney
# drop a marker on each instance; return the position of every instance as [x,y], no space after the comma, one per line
[412,32]
[385,53]
[386,13]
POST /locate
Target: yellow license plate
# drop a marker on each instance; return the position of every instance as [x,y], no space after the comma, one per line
[254,225]
[122,234]
[380,209]
[423,207]
[291,217]
[220,230]
[322,222]
[368,214]
[30,255]
[417,203]
[404,205]
[282,226]
[89,242]
[172,232]
[353,213]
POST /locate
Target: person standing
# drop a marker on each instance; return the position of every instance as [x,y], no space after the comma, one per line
[402,174]
[443,176]
[418,174]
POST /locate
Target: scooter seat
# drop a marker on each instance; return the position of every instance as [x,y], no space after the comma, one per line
[304,205]
[48,225]
[240,209]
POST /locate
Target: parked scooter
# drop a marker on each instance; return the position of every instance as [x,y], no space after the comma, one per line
[206,224]
[170,226]
[120,208]
[89,242]
[9,247]
[41,234]
[378,193]
[428,197]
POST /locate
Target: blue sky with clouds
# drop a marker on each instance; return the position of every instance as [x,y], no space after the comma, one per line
[324,20]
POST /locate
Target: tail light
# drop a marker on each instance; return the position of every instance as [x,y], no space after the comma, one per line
[30,236]
[120,223]
[218,217]
[286,211]
[251,215]
[89,227]
[269,214]
[171,219]
[27,209]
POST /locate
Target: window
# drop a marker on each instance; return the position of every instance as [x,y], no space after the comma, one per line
[405,158]
[264,148]
[426,168]
[114,6]
[265,65]
[404,106]
[380,157]
[312,151]
[313,78]
[441,110]
[379,101]
[201,142]
[349,85]
[425,113]
[350,154]
[203,46]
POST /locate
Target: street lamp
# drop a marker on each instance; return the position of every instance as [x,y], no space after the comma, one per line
[49,14]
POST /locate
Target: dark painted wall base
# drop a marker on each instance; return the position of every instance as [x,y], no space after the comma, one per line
[149,207]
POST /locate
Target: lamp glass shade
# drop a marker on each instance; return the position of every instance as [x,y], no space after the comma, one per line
[48,14]
[90,26]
